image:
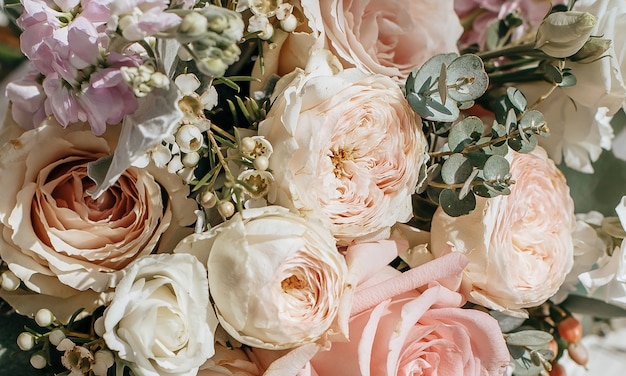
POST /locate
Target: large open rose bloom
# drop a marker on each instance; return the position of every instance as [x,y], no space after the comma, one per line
[406,324]
[347,149]
[55,237]
[276,278]
[385,37]
[160,317]
[520,245]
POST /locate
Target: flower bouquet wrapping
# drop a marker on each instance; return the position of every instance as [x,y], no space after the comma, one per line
[333,187]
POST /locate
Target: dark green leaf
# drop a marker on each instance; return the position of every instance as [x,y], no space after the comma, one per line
[456,169]
[470,128]
[455,207]
[517,99]
[592,307]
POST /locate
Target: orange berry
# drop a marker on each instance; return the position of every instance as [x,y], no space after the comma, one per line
[557,370]
[570,330]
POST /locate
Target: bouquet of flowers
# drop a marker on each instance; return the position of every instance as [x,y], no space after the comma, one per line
[302,187]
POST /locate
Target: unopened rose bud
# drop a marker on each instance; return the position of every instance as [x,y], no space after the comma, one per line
[592,50]
[562,34]
[38,361]
[226,209]
[9,281]
[25,341]
[44,317]
[193,25]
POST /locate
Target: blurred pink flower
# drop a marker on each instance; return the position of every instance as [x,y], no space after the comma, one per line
[27,97]
[138,19]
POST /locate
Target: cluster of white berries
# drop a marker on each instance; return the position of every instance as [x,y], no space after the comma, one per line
[252,183]
[78,360]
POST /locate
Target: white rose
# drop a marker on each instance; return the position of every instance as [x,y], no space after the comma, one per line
[276,279]
[520,245]
[347,149]
[160,317]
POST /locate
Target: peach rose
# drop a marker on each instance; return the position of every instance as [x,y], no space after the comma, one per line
[276,279]
[388,38]
[520,246]
[347,149]
[55,237]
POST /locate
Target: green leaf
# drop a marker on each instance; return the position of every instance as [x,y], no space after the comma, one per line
[467,79]
[523,146]
[496,167]
[464,132]
[568,80]
[418,104]
[552,74]
[441,84]
[478,158]
[528,338]
[455,207]
[516,351]
[532,120]
[456,169]
[431,69]
[592,307]
[517,99]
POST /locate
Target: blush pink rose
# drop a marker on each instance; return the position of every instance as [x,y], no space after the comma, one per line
[520,246]
[385,37]
[347,149]
[406,324]
[55,237]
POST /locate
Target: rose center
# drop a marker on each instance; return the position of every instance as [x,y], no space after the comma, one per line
[338,158]
[292,283]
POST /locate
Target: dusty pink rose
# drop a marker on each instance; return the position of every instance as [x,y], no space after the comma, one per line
[347,149]
[520,246]
[385,37]
[55,237]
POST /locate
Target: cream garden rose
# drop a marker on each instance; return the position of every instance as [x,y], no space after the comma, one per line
[385,37]
[520,246]
[347,149]
[276,279]
[160,317]
[56,238]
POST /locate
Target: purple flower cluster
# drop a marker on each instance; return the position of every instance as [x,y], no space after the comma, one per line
[75,76]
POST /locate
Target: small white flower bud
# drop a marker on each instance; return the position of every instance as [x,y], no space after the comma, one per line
[226,209]
[193,24]
[103,360]
[25,341]
[191,159]
[56,336]
[98,326]
[212,66]
[126,21]
[246,145]
[189,138]
[562,34]
[289,24]
[218,24]
[65,344]
[9,281]
[38,361]
[261,163]
[44,317]
[267,32]
[208,199]
[159,80]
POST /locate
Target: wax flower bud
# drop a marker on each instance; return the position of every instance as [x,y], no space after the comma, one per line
[9,281]
[44,317]
[25,341]
[193,24]
[562,34]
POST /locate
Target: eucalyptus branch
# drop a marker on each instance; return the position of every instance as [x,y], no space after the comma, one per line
[527,49]
[468,149]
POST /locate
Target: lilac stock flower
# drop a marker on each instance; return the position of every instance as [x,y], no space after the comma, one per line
[138,19]
[27,96]
[102,99]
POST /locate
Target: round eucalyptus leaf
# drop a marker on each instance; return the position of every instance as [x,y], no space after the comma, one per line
[496,167]
[430,70]
[532,120]
[477,158]
[501,149]
[521,145]
[438,111]
[517,99]
[418,104]
[456,169]
[455,207]
[464,132]
[467,79]
[498,130]
[433,193]
[529,338]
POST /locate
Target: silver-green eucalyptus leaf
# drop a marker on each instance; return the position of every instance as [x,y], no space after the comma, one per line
[466,79]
